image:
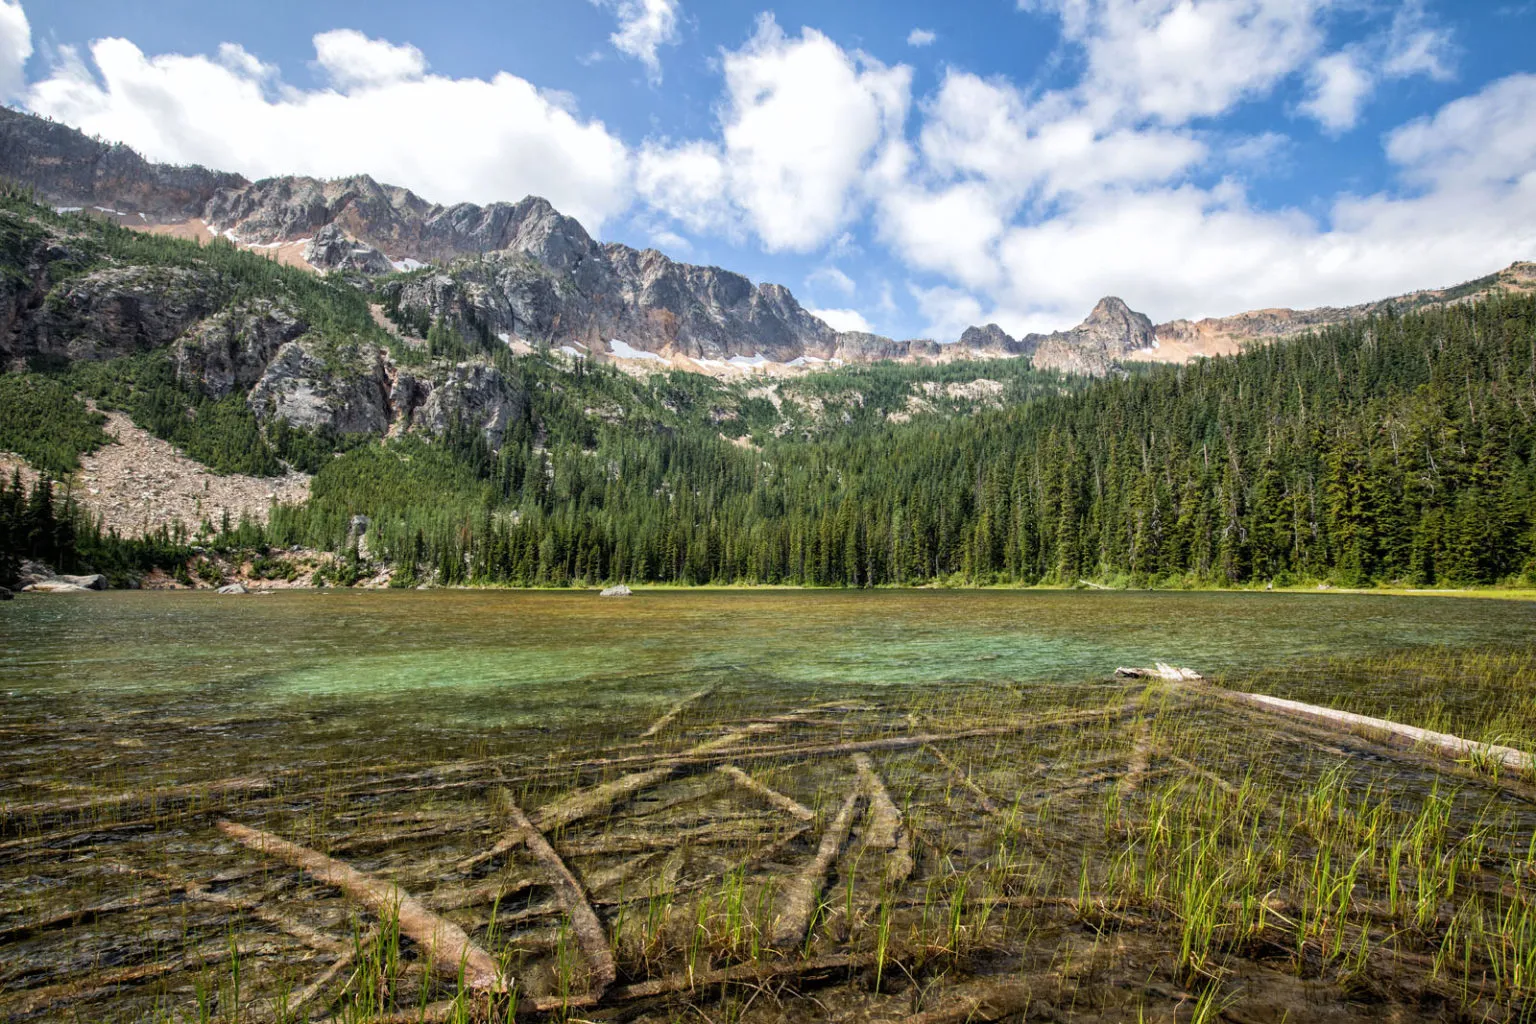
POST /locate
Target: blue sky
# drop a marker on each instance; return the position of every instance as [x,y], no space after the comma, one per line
[912,167]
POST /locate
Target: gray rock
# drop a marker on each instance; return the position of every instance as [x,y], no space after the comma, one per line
[333,249]
[230,350]
[6,595]
[94,581]
[1111,332]
[473,392]
[119,311]
[619,590]
[233,588]
[314,385]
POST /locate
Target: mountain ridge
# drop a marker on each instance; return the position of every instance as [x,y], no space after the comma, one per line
[524,272]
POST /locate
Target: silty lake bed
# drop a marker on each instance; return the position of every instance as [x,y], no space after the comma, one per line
[916,801]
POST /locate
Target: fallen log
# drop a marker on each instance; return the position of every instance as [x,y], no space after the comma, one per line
[1161,671]
[450,948]
[590,935]
[1391,733]
[749,974]
[800,898]
[784,803]
[886,831]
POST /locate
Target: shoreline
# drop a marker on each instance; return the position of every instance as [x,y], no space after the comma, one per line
[1485,593]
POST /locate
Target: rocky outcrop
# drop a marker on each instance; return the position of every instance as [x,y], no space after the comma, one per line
[68,168]
[119,311]
[231,349]
[993,340]
[564,289]
[473,393]
[332,249]
[315,385]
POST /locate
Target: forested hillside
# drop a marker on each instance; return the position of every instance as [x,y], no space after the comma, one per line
[1396,449]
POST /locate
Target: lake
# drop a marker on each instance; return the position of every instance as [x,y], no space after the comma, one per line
[953,780]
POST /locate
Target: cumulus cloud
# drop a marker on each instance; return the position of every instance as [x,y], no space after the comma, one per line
[689,183]
[1175,60]
[644,27]
[1191,251]
[843,319]
[451,139]
[804,125]
[1340,87]
[921,37]
[353,61]
[15,47]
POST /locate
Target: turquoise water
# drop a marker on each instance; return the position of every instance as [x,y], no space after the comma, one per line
[493,658]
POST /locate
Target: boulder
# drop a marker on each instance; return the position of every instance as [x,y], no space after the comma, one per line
[617,591]
[233,588]
[94,581]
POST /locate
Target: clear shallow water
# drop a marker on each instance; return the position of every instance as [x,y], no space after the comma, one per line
[481,659]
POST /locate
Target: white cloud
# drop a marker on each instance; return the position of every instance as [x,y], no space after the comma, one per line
[1340,87]
[951,232]
[1190,251]
[688,183]
[843,319]
[1486,139]
[1416,46]
[1175,60]
[353,61]
[831,277]
[644,27]
[15,47]
[946,311]
[920,37]
[804,126]
[803,123]
[451,139]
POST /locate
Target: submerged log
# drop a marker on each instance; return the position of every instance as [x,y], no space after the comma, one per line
[800,898]
[13,814]
[676,709]
[589,930]
[955,774]
[449,947]
[886,831]
[788,805]
[1392,733]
